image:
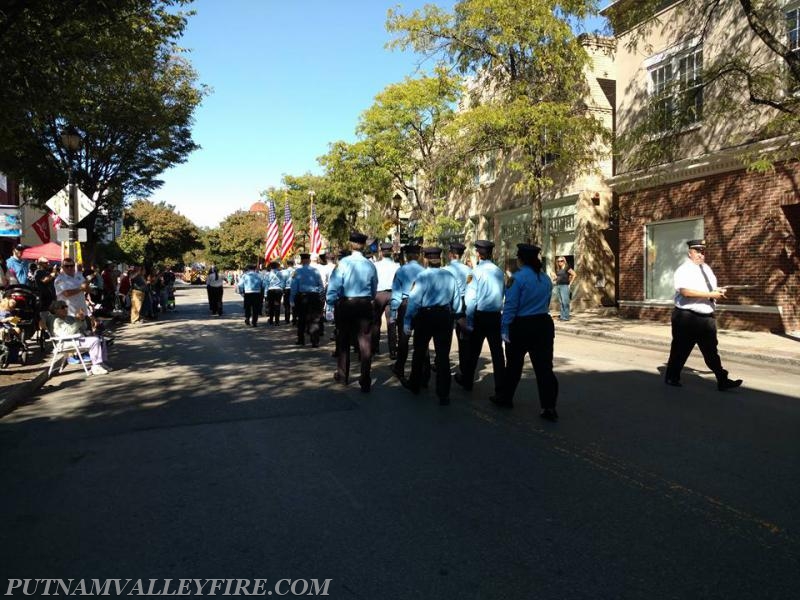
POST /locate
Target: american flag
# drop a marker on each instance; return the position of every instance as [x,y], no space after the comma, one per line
[272,234]
[316,236]
[288,232]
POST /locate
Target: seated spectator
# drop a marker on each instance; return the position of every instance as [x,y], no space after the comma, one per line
[7,306]
[63,324]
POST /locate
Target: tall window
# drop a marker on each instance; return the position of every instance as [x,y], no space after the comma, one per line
[665,251]
[793,28]
[676,87]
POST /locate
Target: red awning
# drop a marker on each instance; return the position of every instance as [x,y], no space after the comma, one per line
[50,250]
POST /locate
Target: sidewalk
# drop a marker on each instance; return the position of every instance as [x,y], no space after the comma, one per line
[17,382]
[756,347]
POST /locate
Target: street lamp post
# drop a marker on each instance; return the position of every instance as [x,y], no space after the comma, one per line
[71,140]
[397,202]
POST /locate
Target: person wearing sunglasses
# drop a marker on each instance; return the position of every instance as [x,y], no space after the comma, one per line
[565,275]
[693,322]
[71,287]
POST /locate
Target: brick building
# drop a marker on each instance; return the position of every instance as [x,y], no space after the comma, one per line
[750,220]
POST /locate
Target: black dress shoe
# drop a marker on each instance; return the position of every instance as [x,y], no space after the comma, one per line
[337,377]
[501,402]
[728,384]
[247,321]
[397,373]
[462,382]
[549,414]
[673,382]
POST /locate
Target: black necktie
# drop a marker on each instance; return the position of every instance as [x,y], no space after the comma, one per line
[708,283]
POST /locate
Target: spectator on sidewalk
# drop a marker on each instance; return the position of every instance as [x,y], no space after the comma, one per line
[137,293]
[71,287]
[563,279]
[16,267]
[693,321]
[64,324]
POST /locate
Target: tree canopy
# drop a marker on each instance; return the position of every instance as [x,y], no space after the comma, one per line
[157,233]
[527,96]
[111,71]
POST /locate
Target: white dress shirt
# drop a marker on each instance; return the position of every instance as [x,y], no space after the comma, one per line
[690,277]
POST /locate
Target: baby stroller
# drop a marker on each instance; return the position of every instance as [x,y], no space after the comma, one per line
[27,310]
[12,346]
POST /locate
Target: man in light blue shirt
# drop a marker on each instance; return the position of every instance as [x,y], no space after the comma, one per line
[431,304]
[484,301]
[252,288]
[16,267]
[306,286]
[462,273]
[401,288]
[286,275]
[351,289]
[274,285]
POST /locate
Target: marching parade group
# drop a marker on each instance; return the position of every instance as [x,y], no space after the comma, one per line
[420,300]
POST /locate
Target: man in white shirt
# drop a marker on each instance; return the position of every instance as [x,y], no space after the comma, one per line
[386,268]
[71,287]
[693,321]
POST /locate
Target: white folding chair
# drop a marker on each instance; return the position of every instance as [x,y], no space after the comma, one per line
[64,347]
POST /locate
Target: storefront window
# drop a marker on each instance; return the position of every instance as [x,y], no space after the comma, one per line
[664,252]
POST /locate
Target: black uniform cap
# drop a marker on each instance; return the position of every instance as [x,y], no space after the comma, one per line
[305,256]
[484,244]
[457,247]
[411,249]
[386,246]
[528,251]
[432,252]
[696,243]
[358,238]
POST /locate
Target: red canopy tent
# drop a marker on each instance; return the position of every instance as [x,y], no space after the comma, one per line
[50,250]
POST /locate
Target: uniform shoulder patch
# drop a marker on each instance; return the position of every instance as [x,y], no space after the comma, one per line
[469,278]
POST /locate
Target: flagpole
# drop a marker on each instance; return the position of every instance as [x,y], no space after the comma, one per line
[311,195]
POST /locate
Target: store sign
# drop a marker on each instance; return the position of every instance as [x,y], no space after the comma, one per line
[10,221]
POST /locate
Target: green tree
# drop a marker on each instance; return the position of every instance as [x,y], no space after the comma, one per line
[404,135]
[110,70]
[353,193]
[748,79]
[240,239]
[527,98]
[155,233]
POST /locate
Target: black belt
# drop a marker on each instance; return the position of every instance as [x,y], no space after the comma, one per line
[438,308]
[356,297]
[694,312]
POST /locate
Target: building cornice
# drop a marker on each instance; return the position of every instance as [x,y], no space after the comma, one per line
[723,161]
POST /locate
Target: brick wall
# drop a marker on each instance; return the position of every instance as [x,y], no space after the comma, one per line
[750,240]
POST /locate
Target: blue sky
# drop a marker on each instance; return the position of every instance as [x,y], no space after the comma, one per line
[287,79]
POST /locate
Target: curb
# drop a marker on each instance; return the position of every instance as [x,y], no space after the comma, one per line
[22,391]
[752,357]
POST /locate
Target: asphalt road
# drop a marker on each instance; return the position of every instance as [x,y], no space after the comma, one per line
[216,450]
